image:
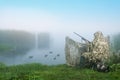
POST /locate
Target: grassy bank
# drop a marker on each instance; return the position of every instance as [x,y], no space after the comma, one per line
[59,72]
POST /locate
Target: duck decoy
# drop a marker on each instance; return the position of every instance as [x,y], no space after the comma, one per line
[54,58]
[58,54]
[50,52]
[30,57]
[46,55]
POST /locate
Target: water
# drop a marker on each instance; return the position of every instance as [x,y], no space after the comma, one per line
[49,56]
[36,40]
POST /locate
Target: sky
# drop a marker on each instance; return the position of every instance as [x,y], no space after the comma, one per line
[61,16]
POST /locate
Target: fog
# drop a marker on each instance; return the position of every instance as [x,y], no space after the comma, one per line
[48,50]
[43,21]
[58,20]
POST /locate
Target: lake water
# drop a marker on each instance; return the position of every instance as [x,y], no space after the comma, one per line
[44,56]
[51,56]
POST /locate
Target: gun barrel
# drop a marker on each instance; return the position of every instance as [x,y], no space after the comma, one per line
[81,37]
[77,34]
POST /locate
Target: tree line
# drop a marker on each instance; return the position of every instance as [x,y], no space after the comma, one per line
[16,41]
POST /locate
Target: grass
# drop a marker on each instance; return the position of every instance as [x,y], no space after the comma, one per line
[57,72]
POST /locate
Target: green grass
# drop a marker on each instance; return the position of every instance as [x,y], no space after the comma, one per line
[59,72]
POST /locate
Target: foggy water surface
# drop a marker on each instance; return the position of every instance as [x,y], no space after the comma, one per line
[50,56]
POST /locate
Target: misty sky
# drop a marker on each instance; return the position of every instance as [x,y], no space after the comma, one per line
[83,16]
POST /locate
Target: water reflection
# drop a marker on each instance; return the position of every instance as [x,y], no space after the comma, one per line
[47,50]
[43,56]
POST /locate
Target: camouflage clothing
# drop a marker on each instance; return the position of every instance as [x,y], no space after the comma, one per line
[99,49]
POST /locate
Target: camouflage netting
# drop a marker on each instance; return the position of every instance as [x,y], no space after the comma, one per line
[73,51]
[95,51]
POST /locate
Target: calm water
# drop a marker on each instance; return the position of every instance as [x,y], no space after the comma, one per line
[50,56]
[44,56]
